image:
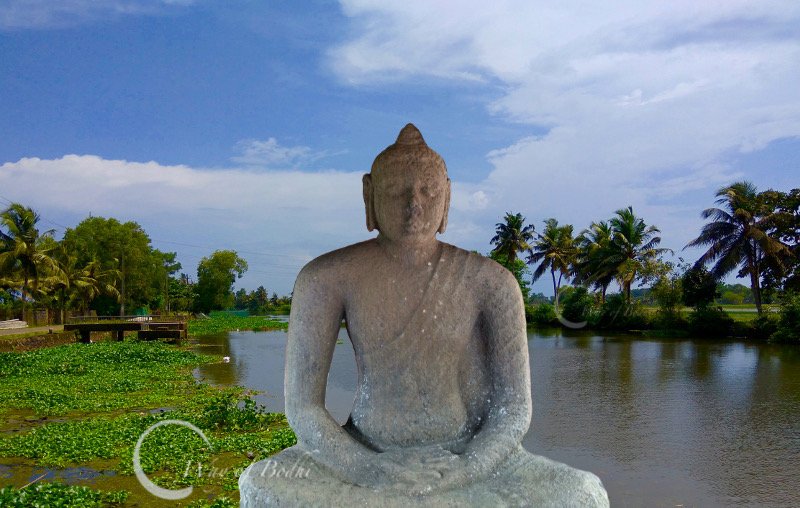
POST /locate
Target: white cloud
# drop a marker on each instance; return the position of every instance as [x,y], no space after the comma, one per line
[642,101]
[277,220]
[17,14]
[256,212]
[269,153]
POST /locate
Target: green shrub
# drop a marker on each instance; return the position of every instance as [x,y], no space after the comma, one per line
[788,326]
[668,294]
[763,327]
[542,314]
[617,314]
[576,304]
[669,319]
[699,287]
[710,321]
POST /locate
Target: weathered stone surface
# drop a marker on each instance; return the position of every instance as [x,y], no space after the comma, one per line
[524,479]
[443,396]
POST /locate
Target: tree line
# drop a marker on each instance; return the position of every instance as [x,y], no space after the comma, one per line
[258,302]
[748,233]
[103,266]
[109,267]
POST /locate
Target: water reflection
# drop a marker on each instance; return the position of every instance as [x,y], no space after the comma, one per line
[257,362]
[663,422]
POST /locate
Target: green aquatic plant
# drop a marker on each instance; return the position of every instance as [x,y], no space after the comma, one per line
[102,377]
[220,502]
[58,494]
[223,322]
[93,401]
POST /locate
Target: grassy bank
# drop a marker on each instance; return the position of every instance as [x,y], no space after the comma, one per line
[82,407]
[24,340]
[616,315]
[35,340]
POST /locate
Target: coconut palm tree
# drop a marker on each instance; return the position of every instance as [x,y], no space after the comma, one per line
[736,236]
[555,250]
[633,244]
[594,251]
[92,281]
[24,252]
[77,284]
[512,236]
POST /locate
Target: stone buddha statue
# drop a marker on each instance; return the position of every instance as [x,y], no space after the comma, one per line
[443,396]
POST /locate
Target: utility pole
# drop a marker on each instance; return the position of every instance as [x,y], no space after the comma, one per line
[122,303]
[166,292]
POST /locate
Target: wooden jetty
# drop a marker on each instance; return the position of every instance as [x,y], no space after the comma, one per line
[146,327]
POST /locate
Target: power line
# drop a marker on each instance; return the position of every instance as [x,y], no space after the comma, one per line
[276,265]
[275,254]
[9,202]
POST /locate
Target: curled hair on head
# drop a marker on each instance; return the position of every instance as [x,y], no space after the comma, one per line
[408,150]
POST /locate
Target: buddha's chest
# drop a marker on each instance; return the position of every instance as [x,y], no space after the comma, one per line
[400,309]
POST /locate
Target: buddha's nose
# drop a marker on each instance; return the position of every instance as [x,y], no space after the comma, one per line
[414,207]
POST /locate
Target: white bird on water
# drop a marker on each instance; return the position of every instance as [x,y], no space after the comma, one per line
[226,359]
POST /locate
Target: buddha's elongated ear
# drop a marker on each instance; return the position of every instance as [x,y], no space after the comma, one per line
[443,224]
[369,207]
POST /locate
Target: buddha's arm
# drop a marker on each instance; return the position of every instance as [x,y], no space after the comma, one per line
[317,310]
[509,412]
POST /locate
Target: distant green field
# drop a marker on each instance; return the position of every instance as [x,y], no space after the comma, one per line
[743,316]
[744,312]
[749,307]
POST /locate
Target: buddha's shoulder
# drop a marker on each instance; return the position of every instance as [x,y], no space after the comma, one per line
[341,262]
[481,266]
[482,271]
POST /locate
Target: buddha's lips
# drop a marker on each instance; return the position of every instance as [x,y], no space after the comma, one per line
[414,222]
[413,215]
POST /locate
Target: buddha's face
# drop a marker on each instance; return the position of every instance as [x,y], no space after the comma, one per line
[410,203]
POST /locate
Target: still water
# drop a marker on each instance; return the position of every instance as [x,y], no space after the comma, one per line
[662,422]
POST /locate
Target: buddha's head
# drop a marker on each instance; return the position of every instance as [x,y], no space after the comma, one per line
[407,191]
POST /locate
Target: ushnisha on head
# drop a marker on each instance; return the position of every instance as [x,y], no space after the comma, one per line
[407,192]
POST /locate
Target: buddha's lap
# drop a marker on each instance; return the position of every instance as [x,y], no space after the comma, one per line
[292,477]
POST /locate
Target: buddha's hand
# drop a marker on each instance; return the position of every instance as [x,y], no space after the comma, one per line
[426,469]
[397,470]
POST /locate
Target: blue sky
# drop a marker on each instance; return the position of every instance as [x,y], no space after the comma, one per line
[247,124]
